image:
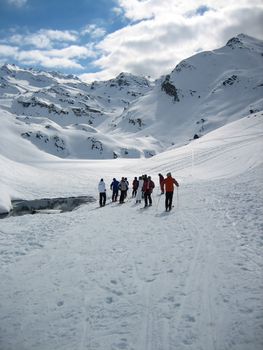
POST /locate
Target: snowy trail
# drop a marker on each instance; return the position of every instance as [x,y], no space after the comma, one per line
[189,279]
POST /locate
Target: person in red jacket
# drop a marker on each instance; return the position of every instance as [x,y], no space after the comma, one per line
[169,183]
[147,189]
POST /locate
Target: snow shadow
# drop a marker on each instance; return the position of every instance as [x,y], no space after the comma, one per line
[47,205]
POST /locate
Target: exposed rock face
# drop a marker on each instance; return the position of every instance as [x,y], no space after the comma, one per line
[170,89]
[234,43]
[231,80]
[136,121]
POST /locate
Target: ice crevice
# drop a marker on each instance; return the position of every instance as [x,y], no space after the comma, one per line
[47,205]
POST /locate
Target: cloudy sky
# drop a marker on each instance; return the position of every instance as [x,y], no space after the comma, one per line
[98,39]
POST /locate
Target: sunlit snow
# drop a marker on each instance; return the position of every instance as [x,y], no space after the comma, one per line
[120,277]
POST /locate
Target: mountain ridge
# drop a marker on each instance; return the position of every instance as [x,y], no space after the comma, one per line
[132,116]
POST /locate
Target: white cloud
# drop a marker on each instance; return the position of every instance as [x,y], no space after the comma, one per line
[117,11]
[7,51]
[17,3]
[45,59]
[73,51]
[59,35]
[137,10]
[44,38]
[66,58]
[93,30]
[37,40]
[166,31]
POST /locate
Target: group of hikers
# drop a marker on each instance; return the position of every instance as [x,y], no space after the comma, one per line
[142,188]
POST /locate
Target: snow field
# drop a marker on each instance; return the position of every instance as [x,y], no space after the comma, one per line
[120,277]
[189,279]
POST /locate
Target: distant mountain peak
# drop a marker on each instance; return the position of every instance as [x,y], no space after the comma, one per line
[184,64]
[130,79]
[8,68]
[243,41]
[235,42]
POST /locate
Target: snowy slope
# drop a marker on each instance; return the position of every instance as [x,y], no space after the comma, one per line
[70,119]
[120,277]
[202,93]
[65,117]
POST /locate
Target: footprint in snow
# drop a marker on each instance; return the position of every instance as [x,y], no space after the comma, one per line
[189,318]
[109,300]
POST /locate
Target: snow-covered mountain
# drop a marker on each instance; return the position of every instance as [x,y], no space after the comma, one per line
[202,93]
[63,116]
[125,276]
[131,116]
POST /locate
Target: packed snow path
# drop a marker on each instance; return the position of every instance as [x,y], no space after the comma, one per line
[120,277]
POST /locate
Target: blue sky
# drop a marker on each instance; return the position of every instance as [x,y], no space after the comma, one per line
[98,39]
[58,14]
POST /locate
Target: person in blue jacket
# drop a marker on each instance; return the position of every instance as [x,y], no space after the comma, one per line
[114,186]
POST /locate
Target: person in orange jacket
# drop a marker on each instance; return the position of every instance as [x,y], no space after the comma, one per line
[169,183]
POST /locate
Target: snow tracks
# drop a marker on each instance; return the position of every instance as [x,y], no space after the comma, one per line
[124,278]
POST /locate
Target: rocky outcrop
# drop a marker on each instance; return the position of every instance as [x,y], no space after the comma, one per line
[170,89]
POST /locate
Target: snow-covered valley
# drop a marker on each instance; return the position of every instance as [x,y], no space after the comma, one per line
[120,277]
[123,277]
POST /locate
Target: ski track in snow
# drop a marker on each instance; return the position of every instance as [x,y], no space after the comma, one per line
[193,281]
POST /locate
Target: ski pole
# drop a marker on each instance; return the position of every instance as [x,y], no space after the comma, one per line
[153,199]
[158,203]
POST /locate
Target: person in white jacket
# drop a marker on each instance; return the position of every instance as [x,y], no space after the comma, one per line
[139,190]
[102,192]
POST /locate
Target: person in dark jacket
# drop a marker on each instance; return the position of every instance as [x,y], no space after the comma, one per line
[135,185]
[148,187]
[169,183]
[114,186]
[144,177]
[123,187]
[161,179]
